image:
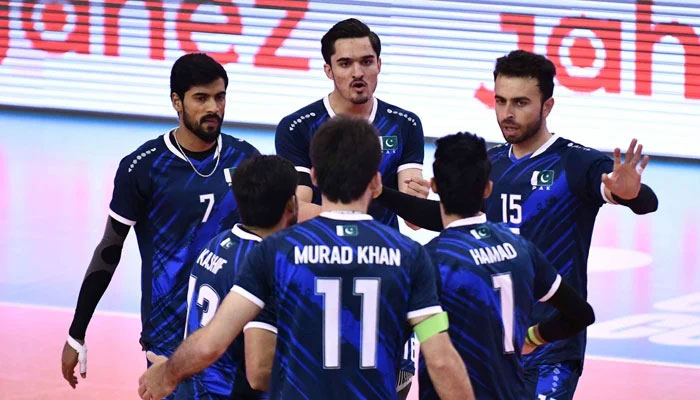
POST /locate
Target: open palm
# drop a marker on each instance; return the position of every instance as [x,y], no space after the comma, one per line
[626,177]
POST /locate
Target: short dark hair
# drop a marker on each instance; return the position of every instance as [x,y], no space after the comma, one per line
[345,154]
[348,29]
[262,186]
[523,64]
[461,171]
[194,69]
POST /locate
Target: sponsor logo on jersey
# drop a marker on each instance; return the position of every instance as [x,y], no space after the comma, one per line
[481,232]
[389,143]
[542,179]
[346,230]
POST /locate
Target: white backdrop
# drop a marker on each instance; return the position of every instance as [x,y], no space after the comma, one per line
[625,68]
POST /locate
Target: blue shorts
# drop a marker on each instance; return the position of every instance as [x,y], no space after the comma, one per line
[553,381]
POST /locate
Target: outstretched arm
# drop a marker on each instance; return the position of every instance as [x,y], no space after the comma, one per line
[97,277]
[200,349]
[424,213]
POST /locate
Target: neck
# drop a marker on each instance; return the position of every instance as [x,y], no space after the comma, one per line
[342,106]
[189,141]
[359,205]
[264,232]
[450,218]
[533,143]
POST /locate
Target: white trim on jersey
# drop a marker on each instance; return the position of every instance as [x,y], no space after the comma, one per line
[169,144]
[250,296]
[602,194]
[552,290]
[303,169]
[121,219]
[479,219]
[346,215]
[331,113]
[409,166]
[260,325]
[245,235]
[424,311]
[539,151]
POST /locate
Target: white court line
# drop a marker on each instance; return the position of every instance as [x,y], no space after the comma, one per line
[71,310]
[644,362]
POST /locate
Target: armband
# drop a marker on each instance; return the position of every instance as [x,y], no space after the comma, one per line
[431,326]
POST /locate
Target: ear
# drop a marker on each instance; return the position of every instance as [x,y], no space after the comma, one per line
[433,185]
[328,70]
[379,64]
[177,103]
[488,189]
[547,107]
[313,177]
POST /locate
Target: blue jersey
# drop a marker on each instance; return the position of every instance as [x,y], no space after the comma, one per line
[211,279]
[490,279]
[343,286]
[174,212]
[552,199]
[401,142]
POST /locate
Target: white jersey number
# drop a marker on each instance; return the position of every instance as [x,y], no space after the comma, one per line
[207,297]
[368,289]
[504,285]
[209,198]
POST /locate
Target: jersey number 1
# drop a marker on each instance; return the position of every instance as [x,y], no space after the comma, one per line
[206,294]
[504,285]
[368,289]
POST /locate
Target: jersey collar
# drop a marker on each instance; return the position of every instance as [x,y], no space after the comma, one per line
[537,152]
[169,144]
[245,235]
[331,113]
[346,216]
[479,219]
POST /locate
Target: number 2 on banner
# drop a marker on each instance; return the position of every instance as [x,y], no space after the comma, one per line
[504,284]
[368,289]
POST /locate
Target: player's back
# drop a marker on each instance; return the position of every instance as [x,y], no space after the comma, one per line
[489,282]
[211,279]
[343,286]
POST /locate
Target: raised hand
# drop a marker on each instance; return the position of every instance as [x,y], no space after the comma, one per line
[626,177]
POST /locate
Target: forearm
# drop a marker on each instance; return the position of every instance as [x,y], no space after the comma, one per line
[192,356]
[645,202]
[98,275]
[449,375]
[574,314]
[422,212]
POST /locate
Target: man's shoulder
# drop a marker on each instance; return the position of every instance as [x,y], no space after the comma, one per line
[577,154]
[145,154]
[238,144]
[306,116]
[397,113]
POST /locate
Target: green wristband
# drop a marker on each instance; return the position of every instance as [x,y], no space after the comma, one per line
[532,337]
[431,326]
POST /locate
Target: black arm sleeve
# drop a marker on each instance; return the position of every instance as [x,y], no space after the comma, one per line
[422,212]
[305,179]
[574,315]
[98,275]
[644,203]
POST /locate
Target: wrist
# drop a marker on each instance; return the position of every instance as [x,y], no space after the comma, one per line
[533,337]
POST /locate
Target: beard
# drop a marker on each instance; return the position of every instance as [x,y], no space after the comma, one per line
[209,134]
[529,131]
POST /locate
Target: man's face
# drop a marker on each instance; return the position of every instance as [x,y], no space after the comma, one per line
[203,110]
[518,107]
[354,69]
